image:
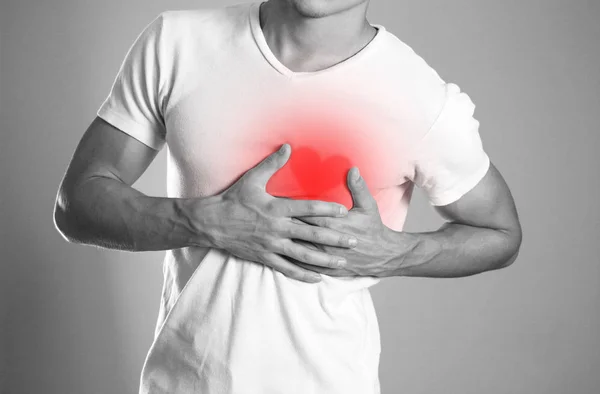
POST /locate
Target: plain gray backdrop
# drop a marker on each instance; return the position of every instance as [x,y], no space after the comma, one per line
[80,319]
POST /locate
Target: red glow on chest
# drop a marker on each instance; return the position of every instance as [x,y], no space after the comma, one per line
[324,149]
[317,175]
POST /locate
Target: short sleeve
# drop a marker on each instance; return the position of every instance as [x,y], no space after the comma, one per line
[134,104]
[450,159]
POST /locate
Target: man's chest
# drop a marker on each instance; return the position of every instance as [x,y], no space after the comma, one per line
[214,137]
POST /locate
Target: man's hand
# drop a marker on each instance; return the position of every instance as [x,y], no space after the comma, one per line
[377,253]
[251,224]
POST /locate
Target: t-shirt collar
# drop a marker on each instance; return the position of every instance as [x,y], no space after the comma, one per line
[261,42]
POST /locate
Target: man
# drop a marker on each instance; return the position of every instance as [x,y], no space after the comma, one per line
[270,254]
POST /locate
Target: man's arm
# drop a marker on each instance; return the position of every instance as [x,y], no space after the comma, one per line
[483,233]
[96,204]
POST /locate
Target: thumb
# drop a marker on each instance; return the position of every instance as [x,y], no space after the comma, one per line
[361,196]
[264,170]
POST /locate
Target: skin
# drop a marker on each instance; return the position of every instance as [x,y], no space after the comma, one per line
[310,35]
[482,234]
[96,204]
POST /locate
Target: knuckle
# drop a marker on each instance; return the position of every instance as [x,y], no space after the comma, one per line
[303,276]
[317,236]
[332,262]
[279,246]
[321,222]
[300,233]
[284,270]
[311,207]
[290,272]
[344,239]
[277,227]
[270,244]
[315,221]
[270,160]
[283,230]
[283,248]
[306,257]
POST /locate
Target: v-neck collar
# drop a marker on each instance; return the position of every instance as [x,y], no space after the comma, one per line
[261,42]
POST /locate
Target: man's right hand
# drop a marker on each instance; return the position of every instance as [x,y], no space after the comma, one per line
[251,224]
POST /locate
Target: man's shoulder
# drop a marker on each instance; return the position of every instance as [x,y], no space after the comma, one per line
[198,19]
[405,61]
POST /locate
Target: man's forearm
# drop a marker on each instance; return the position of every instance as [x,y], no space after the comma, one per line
[456,250]
[108,213]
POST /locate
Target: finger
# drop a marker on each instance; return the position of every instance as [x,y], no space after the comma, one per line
[315,221]
[320,235]
[289,208]
[289,269]
[310,256]
[264,170]
[321,270]
[361,196]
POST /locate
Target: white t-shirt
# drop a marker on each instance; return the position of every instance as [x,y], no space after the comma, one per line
[205,83]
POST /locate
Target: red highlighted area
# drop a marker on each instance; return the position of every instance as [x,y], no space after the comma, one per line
[325,146]
[317,176]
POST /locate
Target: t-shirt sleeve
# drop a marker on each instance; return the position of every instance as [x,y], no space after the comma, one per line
[450,159]
[135,102]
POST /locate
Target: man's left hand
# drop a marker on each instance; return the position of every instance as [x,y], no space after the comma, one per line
[379,251]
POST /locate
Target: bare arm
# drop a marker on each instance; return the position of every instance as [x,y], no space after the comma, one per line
[96,205]
[483,233]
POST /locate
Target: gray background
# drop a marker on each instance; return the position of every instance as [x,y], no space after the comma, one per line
[81,319]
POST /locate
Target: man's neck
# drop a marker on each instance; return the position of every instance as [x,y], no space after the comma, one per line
[310,44]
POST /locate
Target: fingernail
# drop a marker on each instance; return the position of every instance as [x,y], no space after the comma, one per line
[283,149]
[356,175]
[343,211]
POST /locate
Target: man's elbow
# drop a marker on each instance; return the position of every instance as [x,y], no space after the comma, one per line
[513,246]
[63,222]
